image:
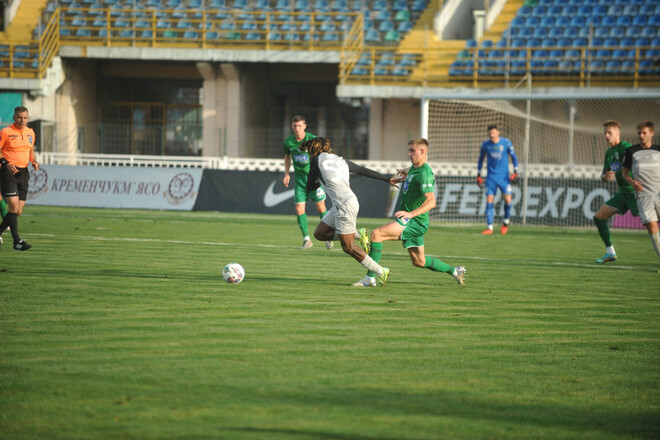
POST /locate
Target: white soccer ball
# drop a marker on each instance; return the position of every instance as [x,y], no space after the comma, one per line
[233,273]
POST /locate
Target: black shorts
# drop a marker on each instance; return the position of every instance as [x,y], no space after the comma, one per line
[13,185]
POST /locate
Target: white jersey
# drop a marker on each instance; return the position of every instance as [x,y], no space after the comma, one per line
[335,178]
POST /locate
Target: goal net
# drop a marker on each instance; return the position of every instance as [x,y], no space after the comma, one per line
[559,143]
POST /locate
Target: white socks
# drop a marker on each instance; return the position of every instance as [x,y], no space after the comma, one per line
[610,250]
[655,238]
[371,265]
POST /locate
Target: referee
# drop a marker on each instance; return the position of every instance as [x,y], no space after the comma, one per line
[16,152]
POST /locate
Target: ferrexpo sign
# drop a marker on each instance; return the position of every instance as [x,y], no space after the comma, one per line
[571,202]
[101,187]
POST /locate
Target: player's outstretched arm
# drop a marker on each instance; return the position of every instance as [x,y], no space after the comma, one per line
[364,171]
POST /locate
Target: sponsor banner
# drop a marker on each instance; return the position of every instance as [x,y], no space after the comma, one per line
[557,202]
[115,187]
[264,192]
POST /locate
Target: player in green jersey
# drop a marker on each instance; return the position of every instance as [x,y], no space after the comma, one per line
[300,162]
[624,199]
[412,219]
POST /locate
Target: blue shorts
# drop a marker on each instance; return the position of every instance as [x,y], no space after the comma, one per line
[492,183]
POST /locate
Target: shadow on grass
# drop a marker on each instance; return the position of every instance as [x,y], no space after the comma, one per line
[535,419]
[270,432]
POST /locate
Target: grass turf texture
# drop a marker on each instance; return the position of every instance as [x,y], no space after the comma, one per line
[117,324]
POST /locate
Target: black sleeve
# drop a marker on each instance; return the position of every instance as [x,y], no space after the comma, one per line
[627,158]
[364,171]
[314,174]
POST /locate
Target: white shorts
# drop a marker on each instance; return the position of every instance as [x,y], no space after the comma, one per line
[343,219]
[649,208]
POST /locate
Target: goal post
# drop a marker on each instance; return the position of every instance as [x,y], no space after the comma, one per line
[559,142]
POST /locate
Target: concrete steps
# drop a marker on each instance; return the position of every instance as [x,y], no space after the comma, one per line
[25,21]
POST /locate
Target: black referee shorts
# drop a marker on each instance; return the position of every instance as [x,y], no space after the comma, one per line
[13,185]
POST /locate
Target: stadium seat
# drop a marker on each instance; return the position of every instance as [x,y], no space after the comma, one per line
[386,59]
[404,26]
[392,36]
[548,42]
[339,6]
[540,32]
[379,5]
[330,37]
[383,14]
[572,53]
[486,44]
[556,53]
[640,20]
[147,33]
[519,42]
[630,10]
[596,42]
[569,11]
[532,22]
[212,35]
[646,9]
[599,32]
[627,42]
[565,67]
[402,15]
[603,53]
[470,43]
[642,42]
[385,26]
[407,60]
[372,36]
[608,20]
[623,20]
[578,21]
[252,36]
[191,35]
[613,67]
[534,42]
[648,32]
[400,71]
[299,6]
[418,5]
[562,21]
[611,42]
[361,71]
[539,53]
[321,6]
[594,21]
[596,66]
[571,32]
[540,11]
[556,32]
[584,10]
[647,66]
[615,10]
[652,53]
[548,21]
[518,22]
[381,71]
[526,32]
[655,42]
[400,5]
[518,67]
[564,42]
[524,11]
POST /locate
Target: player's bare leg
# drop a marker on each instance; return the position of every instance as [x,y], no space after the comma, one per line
[390,231]
[600,219]
[654,233]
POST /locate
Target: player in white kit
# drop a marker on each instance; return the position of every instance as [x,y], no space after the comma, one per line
[339,223]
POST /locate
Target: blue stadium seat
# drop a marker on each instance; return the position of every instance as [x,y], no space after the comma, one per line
[418,5]
[580,42]
[300,6]
[486,44]
[404,26]
[191,35]
[566,67]
[147,33]
[183,24]
[540,11]
[618,32]
[83,33]
[627,42]
[571,32]
[457,68]
[533,42]
[611,42]
[249,25]
[524,11]
[548,21]
[379,5]
[600,32]
[532,21]
[647,67]
[361,71]
[584,32]
[383,14]
[630,10]
[596,66]
[603,53]
[470,43]
[569,10]
[608,20]
[400,71]
[407,60]
[578,21]
[652,53]
[526,32]
[540,53]
[385,26]
[400,5]
[623,20]
[495,54]
[564,42]
[585,10]
[563,21]
[627,66]
[556,32]
[556,53]
[572,53]
[99,22]
[540,32]
[642,42]
[648,32]
[518,67]
[321,6]
[594,21]
[518,22]
[613,67]
[655,42]
[548,42]
[386,59]
[596,42]
[615,10]
[212,35]
[518,42]
[640,20]
[550,67]
[330,37]
[339,6]
[646,9]
[372,36]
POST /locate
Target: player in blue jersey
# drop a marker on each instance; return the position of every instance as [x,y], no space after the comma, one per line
[498,149]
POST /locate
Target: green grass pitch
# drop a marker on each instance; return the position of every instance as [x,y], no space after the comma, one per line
[117,324]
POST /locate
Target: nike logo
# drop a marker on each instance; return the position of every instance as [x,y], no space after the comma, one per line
[271,199]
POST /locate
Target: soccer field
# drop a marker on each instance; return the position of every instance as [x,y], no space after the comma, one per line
[117,324]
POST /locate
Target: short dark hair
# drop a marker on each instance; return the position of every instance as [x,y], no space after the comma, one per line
[646,124]
[298,118]
[493,127]
[20,109]
[612,123]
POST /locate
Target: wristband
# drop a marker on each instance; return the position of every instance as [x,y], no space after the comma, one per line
[3,161]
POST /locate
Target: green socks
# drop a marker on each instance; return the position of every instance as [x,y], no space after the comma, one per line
[438,266]
[3,209]
[604,231]
[302,224]
[375,254]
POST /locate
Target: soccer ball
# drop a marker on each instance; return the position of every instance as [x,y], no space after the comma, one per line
[233,273]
